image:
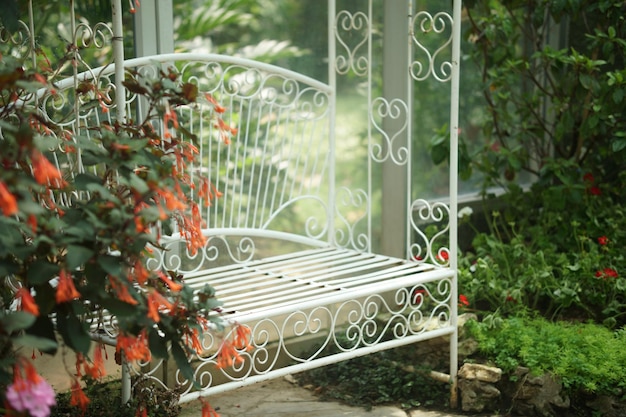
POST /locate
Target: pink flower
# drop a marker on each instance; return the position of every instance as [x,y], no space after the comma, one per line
[36,398]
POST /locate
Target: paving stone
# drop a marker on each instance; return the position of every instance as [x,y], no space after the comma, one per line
[279,398]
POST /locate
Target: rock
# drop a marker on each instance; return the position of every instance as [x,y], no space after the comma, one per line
[537,395]
[480,372]
[476,384]
[608,406]
[478,396]
[289,378]
[467,347]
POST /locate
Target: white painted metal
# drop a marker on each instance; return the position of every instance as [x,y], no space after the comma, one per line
[454,190]
[154,28]
[391,142]
[289,250]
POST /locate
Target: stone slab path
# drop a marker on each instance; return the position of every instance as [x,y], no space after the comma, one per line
[280,398]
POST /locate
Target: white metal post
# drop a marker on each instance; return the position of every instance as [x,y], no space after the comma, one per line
[332,81]
[118,60]
[454,160]
[120,107]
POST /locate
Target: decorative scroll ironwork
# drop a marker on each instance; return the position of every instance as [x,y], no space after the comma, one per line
[276,166]
[20,39]
[174,255]
[352,34]
[346,328]
[275,176]
[352,211]
[427,27]
[430,247]
[274,173]
[395,109]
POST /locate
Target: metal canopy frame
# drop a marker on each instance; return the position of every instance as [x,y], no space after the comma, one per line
[311,289]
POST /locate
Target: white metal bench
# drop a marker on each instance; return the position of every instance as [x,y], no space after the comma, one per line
[316,283]
[289,249]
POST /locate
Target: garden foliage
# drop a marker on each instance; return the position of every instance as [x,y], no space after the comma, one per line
[81,212]
[554,120]
[587,358]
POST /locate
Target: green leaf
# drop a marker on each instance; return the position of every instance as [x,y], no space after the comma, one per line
[41,343]
[82,230]
[618,145]
[612,32]
[8,268]
[77,256]
[45,297]
[118,308]
[111,264]
[74,333]
[10,15]
[157,344]
[17,320]
[41,271]
[138,184]
[83,181]
[586,81]
[182,363]
[43,328]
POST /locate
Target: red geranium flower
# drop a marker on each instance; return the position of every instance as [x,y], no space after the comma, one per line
[607,273]
[419,295]
[463,301]
[591,188]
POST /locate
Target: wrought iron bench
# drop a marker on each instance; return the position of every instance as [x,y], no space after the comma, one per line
[283,252]
[289,249]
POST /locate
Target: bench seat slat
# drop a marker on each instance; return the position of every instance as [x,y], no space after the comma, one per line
[307,275]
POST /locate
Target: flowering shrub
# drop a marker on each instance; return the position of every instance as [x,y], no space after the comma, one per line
[555,250]
[75,242]
[548,95]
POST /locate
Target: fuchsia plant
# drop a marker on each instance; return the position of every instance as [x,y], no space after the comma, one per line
[56,261]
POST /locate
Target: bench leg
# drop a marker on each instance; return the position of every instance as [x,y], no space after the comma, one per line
[454,363]
[125,381]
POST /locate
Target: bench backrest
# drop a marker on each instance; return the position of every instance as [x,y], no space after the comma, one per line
[275,172]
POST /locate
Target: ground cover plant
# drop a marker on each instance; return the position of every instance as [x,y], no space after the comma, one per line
[586,357]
